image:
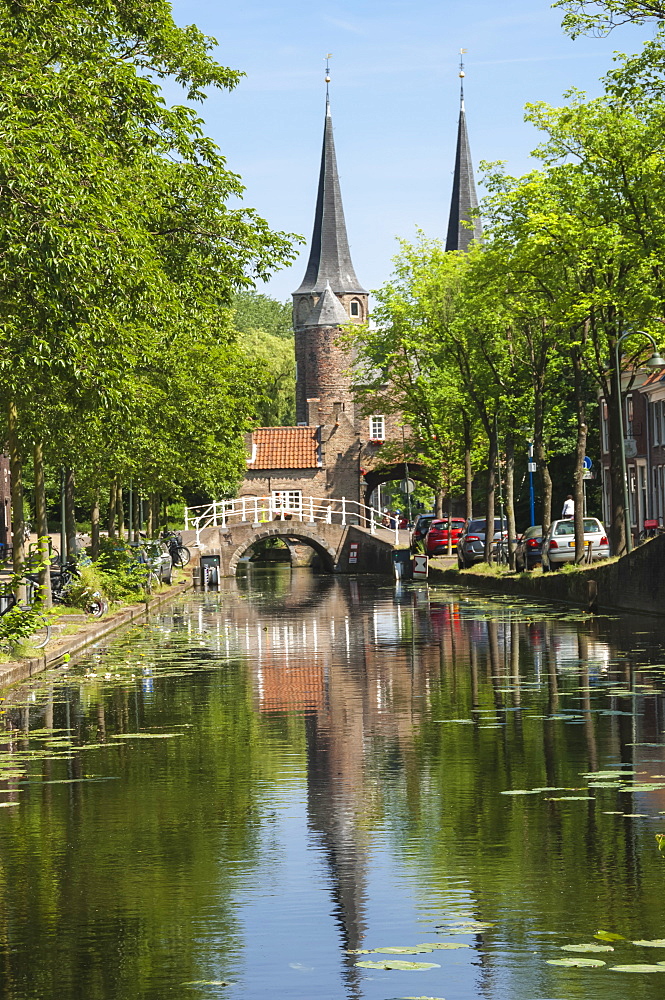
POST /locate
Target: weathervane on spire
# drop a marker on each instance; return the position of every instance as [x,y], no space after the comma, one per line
[462,74]
[328,58]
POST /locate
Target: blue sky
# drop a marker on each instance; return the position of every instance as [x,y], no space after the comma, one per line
[395,99]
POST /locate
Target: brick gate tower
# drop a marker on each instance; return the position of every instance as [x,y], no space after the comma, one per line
[329,297]
[320,457]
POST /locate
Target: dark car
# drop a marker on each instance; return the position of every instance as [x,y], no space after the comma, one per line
[436,541]
[471,543]
[421,527]
[528,551]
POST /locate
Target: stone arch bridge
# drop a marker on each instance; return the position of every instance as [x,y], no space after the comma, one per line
[348,537]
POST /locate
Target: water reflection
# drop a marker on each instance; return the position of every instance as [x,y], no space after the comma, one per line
[329,776]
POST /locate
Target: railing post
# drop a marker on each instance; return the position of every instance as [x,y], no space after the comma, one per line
[329,514]
[344,511]
[311,510]
[223,513]
[244,513]
[197,523]
[396,531]
[372,523]
[256,510]
[186,518]
[214,513]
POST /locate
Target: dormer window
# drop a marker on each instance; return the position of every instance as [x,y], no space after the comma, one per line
[355,308]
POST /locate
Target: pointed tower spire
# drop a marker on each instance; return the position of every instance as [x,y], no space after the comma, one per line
[329,257]
[464,201]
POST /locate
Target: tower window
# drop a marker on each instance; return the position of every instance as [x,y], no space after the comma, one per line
[377,428]
[355,307]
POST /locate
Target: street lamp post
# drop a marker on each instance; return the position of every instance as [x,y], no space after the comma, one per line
[655,361]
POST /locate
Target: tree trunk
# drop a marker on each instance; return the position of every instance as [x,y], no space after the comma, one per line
[468,471]
[94,527]
[438,502]
[70,514]
[490,496]
[112,504]
[149,519]
[44,572]
[540,456]
[120,509]
[137,515]
[580,452]
[510,497]
[18,520]
[619,517]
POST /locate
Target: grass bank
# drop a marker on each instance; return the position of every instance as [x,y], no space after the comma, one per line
[634,583]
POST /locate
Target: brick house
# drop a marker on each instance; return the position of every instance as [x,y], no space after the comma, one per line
[644,427]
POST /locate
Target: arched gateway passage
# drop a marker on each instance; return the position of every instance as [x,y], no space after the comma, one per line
[393,473]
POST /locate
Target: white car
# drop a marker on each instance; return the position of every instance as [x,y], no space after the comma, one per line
[559,542]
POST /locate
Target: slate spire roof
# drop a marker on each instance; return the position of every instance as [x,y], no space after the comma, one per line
[464,201]
[329,257]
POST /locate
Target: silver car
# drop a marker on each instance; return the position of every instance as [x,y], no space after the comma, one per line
[559,542]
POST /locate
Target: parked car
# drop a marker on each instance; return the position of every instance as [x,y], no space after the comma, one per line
[471,542]
[528,551]
[436,540]
[421,527]
[559,543]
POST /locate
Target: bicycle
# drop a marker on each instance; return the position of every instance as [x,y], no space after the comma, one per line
[30,626]
[95,605]
[180,554]
[650,529]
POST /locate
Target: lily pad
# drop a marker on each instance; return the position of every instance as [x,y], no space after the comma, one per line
[144,736]
[418,949]
[393,963]
[520,791]
[445,946]
[576,963]
[572,798]
[586,947]
[206,982]
[609,936]
[641,967]
[656,943]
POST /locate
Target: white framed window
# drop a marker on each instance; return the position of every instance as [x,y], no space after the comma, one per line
[355,308]
[661,411]
[287,500]
[377,428]
[654,421]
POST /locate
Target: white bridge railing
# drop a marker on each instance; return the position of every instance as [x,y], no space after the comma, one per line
[259,510]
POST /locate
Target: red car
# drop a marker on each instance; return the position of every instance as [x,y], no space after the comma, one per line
[436,542]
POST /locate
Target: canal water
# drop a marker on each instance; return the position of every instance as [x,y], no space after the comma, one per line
[258,790]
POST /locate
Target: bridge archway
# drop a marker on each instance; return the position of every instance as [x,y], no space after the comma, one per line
[327,554]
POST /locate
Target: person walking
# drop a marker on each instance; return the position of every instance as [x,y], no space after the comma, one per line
[568,507]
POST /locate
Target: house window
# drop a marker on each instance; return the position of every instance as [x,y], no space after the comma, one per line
[377,428]
[355,308]
[287,500]
[661,411]
[629,415]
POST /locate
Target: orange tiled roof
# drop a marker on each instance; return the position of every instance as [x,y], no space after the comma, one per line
[285,448]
